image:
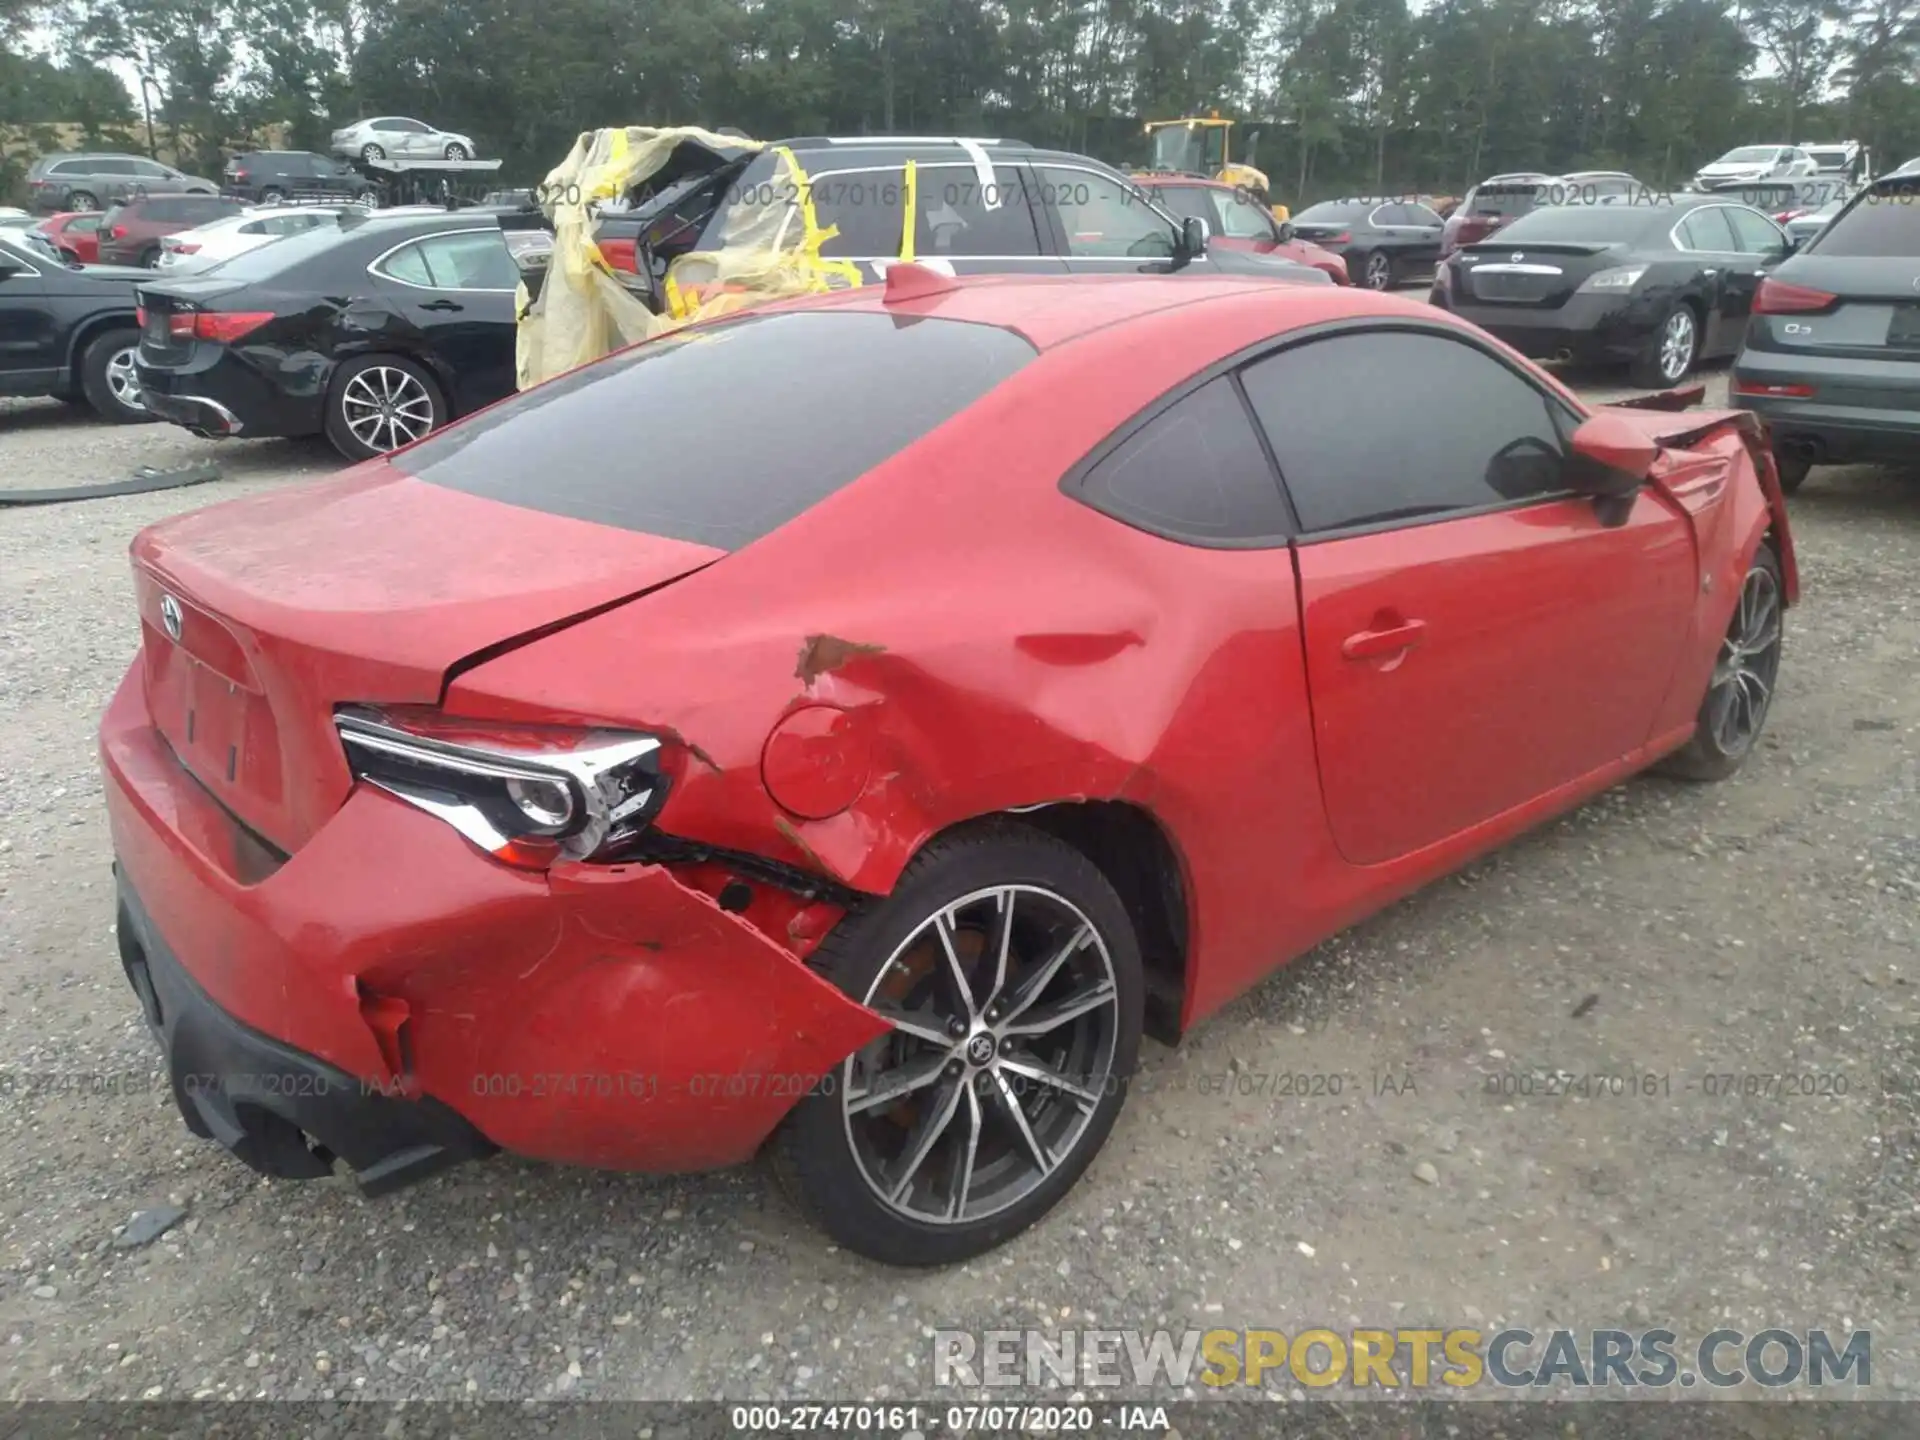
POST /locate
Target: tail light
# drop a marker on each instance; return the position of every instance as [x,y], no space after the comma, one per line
[119,232]
[527,795]
[140,316]
[1784,392]
[1341,239]
[182,247]
[1776,297]
[621,255]
[223,328]
[238,174]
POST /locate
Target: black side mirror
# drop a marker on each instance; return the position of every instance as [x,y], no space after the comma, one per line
[1283,231]
[1193,237]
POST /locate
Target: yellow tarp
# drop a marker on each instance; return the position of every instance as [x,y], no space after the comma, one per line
[770,248]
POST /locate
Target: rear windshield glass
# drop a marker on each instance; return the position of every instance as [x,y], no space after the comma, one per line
[1335,210]
[1884,221]
[723,435]
[287,253]
[1504,199]
[1601,224]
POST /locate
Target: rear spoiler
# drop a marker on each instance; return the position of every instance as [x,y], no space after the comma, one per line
[1676,399]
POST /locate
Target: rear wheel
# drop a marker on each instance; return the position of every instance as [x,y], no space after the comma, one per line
[108,380]
[1012,977]
[1671,350]
[150,257]
[378,403]
[1740,694]
[272,195]
[1378,272]
[1793,471]
[82,200]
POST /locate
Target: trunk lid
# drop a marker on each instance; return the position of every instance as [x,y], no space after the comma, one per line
[260,616]
[1541,276]
[1875,315]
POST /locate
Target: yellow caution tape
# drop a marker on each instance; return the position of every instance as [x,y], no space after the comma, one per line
[906,229]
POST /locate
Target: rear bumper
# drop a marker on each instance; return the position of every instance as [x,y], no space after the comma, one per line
[262,1100]
[1588,329]
[1861,410]
[217,391]
[609,1016]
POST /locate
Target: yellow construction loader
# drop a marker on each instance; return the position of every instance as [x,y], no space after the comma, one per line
[1202,145]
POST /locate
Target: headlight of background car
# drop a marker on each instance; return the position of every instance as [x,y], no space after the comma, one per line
[527,796]
[1623,277]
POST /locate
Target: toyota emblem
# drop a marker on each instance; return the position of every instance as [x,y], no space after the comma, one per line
[1518,256]
[980,1049]
[170,616]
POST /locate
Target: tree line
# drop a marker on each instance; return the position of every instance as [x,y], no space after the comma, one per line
[1346,95]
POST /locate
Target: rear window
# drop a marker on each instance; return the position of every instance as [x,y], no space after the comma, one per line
[1885,221]
[786,410]
[1600,224]
[200,208]
[1503,199]
[1335,210]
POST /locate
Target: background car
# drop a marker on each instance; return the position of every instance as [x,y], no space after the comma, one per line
[1844,158]
[208,245]
[1755,162]
[266,177]
[960,859]
[130,234]
[1831,359]
[374,329]
[1383,242]
[94,181]
[1806,224]
[1236,222]
[1784,198]
[1502,198]
[75,233]
[394,137]
[1656,286]
[68,332]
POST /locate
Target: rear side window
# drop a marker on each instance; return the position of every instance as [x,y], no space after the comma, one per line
[1466,433]
[1708,230]
[1194,472]
[798,405]
[1883,222]
[869,207]
[957,215]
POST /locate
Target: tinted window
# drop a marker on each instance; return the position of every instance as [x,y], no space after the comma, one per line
[411,127]
[1421,215]
[1195,471]
[1502,200]
[1750,155]
[954,218]
[1463,432]
[408,264]
[1240,218]
[1101,216]
[610,442]
[1884,221]
[1708,230]
[869,207]
[1333,211]
[148,170]
[1391,215]
[1596,224]
[1754,233]
[472,260]
[106,167]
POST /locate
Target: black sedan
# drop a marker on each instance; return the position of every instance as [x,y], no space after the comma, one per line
[1655,286]
[68,331]
[373,330]
[1383,241]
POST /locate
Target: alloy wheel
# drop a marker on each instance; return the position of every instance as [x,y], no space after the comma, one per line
[1379,271]
[1005,1014]
[1749,663]
[1676,344]
[385,407]
[123,381]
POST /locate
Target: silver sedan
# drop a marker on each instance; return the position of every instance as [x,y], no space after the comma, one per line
[395,137]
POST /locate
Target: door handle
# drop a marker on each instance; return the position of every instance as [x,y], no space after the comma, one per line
[441,305]
[1389,640]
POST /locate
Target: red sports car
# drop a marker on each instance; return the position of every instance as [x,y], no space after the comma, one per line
[75,233]
[1237,222]
[851,724]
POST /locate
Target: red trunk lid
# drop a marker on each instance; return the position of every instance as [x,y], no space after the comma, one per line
[366,588]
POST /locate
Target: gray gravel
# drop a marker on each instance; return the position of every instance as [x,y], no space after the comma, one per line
[1765,925]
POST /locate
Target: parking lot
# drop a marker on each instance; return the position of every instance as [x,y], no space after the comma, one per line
[1699,935]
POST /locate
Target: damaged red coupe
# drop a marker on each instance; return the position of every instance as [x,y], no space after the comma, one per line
[844,729]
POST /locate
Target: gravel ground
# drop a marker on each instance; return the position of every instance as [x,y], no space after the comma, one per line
[1762,926]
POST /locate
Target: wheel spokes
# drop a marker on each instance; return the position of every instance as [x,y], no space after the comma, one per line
[926,1132]
[1052,1017]
[916,1023]
[954,970]
[1041,1074]
[1029,989]
[960,1183]
[1042,1158]
[893,1085]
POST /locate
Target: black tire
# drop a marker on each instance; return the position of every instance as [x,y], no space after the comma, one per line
[1793,471]
[82,200]
[346,404]
[1376,271]
[150,258]
[1716,749]
[1653,368]
[815,1155]
[370,151]
[104,366]
[272,195]
[457,151]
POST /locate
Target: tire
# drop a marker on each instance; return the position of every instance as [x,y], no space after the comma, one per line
[1655,366]
[370,151]
[357,396]
[1742,684]
[1377,272]
[272,195]
[82,200]
[106,371]
[458,152]
[835,1157]
[149,258]
[1793,471]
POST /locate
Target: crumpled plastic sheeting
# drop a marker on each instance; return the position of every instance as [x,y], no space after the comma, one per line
[770,249]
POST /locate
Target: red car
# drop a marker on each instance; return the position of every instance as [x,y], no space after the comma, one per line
[866,773]
[1237,222]
[75,233]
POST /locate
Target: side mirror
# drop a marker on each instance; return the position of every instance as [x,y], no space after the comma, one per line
[1193,236]
[1283,231]
[1611,457]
